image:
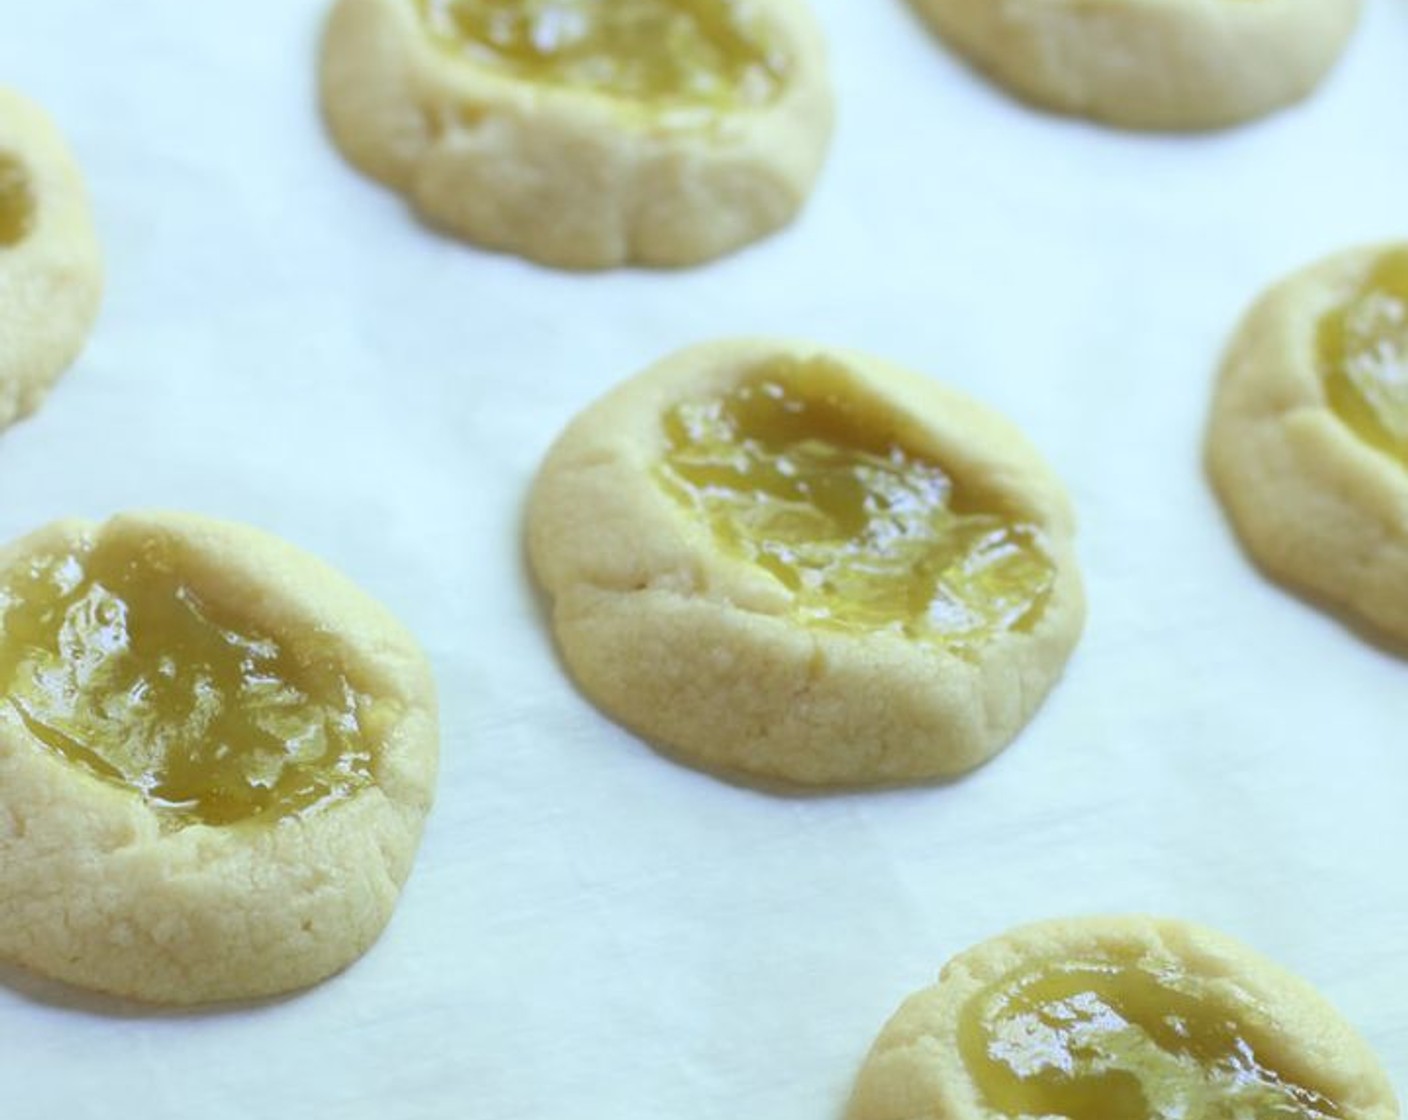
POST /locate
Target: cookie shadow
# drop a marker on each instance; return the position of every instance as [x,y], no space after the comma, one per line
[1391,645]
[59,996]
[791,791]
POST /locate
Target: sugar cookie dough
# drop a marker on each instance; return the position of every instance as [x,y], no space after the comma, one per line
[805,566]
[585,133]
[1154,64]
[1119,1019]
[1308,442]
[50,267]
[216,756]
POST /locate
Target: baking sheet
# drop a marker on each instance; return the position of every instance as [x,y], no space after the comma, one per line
[592,930]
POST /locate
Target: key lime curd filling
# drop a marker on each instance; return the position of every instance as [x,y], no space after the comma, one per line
[113,662]
[793,471]
[1364,358]
[668,53]
[17,204]
[1109,1039]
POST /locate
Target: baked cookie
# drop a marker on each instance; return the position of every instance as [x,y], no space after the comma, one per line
[805,566]
[585,133]
[50,267]
[1154,64]
[1119,1019]
[216,756]
[1308,442]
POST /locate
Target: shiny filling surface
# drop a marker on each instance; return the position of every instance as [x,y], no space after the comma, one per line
[17,203]
[796,473]
[1364,358]
[114,662]
[668,52]
[1112,1040]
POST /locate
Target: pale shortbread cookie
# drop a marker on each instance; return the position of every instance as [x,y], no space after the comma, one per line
[1153,64]
[1092,1018]
[1319,503]
[854,633]
[50,266]
[216,757]
[528,147]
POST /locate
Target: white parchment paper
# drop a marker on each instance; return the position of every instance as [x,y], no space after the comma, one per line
[592,931]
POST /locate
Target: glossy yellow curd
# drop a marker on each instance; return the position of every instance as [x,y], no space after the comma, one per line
[115,663]
[794,471]
[666,53]
[1364,358]
[1111,1039]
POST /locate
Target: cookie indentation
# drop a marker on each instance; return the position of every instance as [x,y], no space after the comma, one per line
[793,472]
[17,202]
[1364,358]
[708,53]
[1108,1039]
[116,662]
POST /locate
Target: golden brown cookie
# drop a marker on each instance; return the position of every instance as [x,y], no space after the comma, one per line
[580,133]
[216,757]
[1308,441]
[806,566]
[50,266]
[1104,1018]
[1154,64]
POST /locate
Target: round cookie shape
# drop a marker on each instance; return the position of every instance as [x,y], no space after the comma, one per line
[806,567]
[1125,1018]
[50,265]
[1151,64]
[216,759]
[1308,441]
[585,134]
